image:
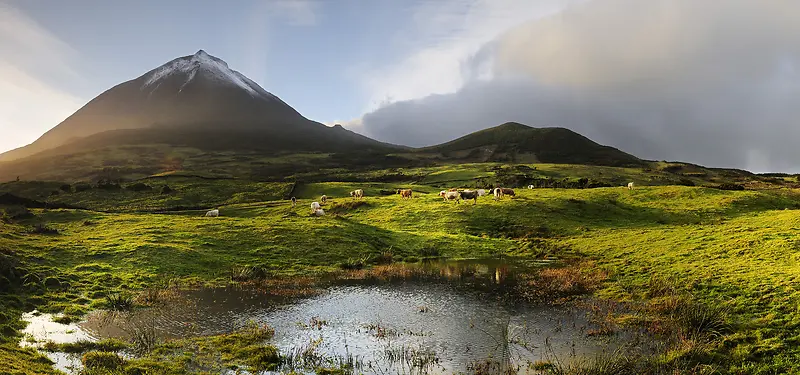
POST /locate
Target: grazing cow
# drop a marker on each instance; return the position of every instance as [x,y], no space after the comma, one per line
[358,193]
[630,185]
[319,212]
[509,192]
[294,201]
[405,193]
[498,193]
[314,207]
[212,213]
[481,192]
[323,199]
[450,195]
[530,186]
[469,194]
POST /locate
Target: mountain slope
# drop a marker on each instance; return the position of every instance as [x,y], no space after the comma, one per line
[521,143]
[190,92]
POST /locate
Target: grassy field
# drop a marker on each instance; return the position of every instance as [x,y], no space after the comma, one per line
[736,250]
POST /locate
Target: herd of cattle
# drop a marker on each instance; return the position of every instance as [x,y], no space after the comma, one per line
[448,195]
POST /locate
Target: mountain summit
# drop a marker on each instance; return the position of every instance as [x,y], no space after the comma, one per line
[202,67]
[189,95]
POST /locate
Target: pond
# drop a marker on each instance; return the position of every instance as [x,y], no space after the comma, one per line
[442,317]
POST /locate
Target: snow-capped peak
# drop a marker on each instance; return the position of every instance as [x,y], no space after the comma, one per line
[209,67]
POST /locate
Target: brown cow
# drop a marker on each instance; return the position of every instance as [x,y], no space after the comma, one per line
[509,192]
[405,193]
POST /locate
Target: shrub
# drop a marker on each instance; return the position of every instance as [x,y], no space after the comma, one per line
[166,189]
[730,186]
[102,360]
[686,182]
[67,188]
[82,187]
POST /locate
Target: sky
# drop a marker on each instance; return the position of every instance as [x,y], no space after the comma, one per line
[713,82]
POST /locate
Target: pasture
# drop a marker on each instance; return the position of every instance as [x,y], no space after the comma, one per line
[659,245]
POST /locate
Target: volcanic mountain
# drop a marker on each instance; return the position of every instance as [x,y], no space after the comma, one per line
[515,142]
[195,101]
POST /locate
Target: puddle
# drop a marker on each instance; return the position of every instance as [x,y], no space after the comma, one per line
[437,318]
[41,328]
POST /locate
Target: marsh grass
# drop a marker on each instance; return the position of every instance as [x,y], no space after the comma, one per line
[119,302]
[556,284]
[83,346]
[102,360]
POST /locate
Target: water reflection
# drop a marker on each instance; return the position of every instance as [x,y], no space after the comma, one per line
[438,317]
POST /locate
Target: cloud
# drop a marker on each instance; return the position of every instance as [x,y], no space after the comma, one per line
[356,124]
[29,103]
[715,82]
[442,35]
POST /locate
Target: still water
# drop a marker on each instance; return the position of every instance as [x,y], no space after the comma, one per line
[442,317]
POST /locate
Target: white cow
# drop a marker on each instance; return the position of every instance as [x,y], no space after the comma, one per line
[323,199]
[498,193]
[319,212]
[630,185]
[530,186]
[212,213]
[294,201]
[358,193]
[481,192]
[314,207]
[451,195]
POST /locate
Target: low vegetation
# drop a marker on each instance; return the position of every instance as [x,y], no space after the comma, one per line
[714,267]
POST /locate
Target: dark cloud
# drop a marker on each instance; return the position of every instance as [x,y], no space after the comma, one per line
[713,82]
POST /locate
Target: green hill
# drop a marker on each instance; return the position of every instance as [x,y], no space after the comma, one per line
[515,142]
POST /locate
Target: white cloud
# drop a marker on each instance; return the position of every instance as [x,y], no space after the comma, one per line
[29,103]
[443,36]
[356,125]
[714,82]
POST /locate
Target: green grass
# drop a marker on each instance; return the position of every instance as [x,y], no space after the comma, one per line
[736,250]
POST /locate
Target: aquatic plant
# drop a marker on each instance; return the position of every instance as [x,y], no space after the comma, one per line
[119,302]
[82,346]
[102,360]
